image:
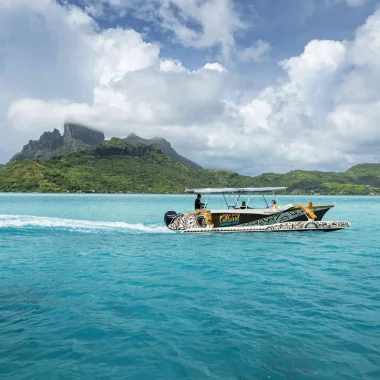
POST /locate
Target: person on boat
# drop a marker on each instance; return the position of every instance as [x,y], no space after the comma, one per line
[198,204]
[243,205]
[274,204]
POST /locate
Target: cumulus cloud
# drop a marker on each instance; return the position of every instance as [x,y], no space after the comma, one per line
[175,66]
[119,52]
[215,66]
[322,113]
[130,87]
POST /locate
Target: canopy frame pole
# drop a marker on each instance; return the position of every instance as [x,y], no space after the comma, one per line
[224,196]
[208,195]
[265,200]
[249,198]
[275,197]
[237,200]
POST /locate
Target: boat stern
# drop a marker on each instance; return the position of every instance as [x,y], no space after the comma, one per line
[176,221]
[169,217]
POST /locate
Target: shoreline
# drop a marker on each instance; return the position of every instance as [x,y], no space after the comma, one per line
[184,194]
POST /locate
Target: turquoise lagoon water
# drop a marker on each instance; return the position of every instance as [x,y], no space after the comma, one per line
[96,287]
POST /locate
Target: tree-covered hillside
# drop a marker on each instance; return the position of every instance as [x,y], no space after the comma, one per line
[119,167]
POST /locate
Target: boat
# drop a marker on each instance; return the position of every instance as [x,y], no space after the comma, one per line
[234,218]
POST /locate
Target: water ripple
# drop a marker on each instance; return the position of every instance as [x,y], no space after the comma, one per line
[81,298]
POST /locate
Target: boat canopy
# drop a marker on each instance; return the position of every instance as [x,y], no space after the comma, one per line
[243,190]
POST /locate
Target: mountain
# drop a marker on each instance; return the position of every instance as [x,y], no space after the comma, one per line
[109,167]
[76,137]
[116,166]
[367,173]
[165,147]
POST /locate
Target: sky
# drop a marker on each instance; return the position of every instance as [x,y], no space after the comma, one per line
[251,86]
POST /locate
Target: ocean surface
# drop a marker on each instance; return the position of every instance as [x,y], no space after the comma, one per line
[96,287]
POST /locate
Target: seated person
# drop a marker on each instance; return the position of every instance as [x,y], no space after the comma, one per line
[274,204]
[243,205]
[198,204]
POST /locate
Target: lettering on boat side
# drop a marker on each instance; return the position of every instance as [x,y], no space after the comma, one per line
[229,219]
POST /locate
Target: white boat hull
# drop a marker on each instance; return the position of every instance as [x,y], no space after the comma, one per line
[279,227]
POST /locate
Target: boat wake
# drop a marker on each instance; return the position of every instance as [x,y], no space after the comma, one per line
[27,221]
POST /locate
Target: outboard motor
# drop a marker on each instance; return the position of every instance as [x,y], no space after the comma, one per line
[169,216]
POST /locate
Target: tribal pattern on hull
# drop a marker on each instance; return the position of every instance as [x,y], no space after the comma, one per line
[276,218]
[287,226]
[183,222]
[307,226]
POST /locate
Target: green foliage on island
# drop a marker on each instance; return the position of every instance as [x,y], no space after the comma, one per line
[119,167]
[165,148]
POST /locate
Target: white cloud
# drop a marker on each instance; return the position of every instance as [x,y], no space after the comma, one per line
[318,57]
[119,52]
[217,19]
[169,65]
[42,115]
[215,66]
[193,23]
[256,52]
[131,86]
[366,46]
[321,114]
[356,3]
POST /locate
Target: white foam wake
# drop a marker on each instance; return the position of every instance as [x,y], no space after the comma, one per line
[25,221]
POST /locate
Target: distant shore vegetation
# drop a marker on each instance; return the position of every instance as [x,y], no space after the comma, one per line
[118,167]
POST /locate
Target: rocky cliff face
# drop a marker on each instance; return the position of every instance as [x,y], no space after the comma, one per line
[75,138]
[82,133]
[48,140]
[118,147]
[164,146]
